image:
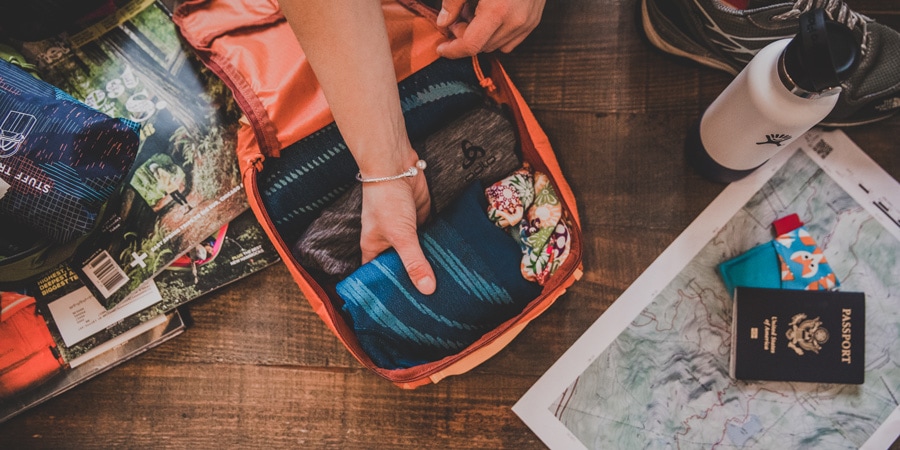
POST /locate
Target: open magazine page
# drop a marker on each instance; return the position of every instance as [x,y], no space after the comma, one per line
[652,371]
[185,183]
[238,249]
[154,333]
[79,323]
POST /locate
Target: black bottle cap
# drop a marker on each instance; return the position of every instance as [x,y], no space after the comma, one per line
[823,54]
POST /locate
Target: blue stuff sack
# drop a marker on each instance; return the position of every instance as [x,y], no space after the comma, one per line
[60,160]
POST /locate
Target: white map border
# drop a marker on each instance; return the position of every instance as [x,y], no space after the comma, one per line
[847,165]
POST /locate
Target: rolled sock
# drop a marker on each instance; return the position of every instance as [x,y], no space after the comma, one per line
[793,260]
[479,286]
[480,145]
[313,172]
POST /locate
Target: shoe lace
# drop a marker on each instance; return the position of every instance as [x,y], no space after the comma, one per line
[837,10]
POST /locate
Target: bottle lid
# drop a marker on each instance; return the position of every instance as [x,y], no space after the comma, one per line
[820,57]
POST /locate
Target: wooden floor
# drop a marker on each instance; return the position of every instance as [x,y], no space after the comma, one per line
[258,369]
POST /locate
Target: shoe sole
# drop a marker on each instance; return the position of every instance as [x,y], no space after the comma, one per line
[856,123]
[659,42]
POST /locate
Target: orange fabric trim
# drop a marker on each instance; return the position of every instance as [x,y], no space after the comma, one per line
[27,356]
[250,45]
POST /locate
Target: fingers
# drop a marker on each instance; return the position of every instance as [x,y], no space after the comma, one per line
[471,38]
[450,12]
[420,272]
[410,252]
[391,213]
[496,25]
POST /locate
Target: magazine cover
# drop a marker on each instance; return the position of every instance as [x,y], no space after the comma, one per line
[184,184]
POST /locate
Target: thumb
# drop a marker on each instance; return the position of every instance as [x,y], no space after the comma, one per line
[418,268]
[450,11]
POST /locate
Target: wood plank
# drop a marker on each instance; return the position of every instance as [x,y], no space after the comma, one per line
[211,406]
[258,369]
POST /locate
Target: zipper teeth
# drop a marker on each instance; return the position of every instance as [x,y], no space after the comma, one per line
[14,304]
[551,290]
[357,352]
[416,375]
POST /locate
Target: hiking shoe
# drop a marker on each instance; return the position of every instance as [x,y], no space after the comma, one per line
[718,34]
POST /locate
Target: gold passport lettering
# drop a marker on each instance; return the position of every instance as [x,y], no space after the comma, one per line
[770,334]
[845,335]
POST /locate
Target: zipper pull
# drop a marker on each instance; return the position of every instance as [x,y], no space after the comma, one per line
[486,82]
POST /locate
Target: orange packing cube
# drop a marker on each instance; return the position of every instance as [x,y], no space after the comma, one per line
[250,45]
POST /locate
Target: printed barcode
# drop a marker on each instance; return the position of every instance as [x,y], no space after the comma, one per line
[106,275]
[822,148]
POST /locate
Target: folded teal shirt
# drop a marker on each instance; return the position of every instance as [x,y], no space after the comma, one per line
[479,286]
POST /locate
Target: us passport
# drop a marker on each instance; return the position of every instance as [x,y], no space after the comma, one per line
[794,335]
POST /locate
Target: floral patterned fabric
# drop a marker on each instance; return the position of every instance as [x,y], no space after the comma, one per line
[527,207]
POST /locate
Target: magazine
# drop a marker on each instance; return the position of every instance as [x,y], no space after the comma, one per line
[180,227]
[85,331]
[185,182]
[652,371]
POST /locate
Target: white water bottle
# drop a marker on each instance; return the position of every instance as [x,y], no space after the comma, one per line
[786,89]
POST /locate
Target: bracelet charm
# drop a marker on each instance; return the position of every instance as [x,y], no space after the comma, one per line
[411,172]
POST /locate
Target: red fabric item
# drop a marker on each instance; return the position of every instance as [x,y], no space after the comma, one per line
[250,45]
[738,4]
[787,224]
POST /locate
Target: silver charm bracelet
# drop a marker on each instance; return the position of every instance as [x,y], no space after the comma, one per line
[411,172]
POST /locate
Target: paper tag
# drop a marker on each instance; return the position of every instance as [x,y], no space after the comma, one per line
[79,315]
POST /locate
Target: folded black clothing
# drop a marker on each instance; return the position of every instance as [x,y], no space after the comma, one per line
[479,286]
[314,171]
[480,145]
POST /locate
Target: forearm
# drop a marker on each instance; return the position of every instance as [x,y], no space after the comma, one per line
[347,46]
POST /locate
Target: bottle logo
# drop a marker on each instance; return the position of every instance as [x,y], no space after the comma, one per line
[806,334]
[776,139]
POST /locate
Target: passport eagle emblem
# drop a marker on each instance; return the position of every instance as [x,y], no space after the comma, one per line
[806,334]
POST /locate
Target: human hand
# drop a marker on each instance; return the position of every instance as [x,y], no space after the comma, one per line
[391,211]
[495,25]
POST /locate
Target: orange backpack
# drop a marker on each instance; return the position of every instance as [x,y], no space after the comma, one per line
[249,44]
